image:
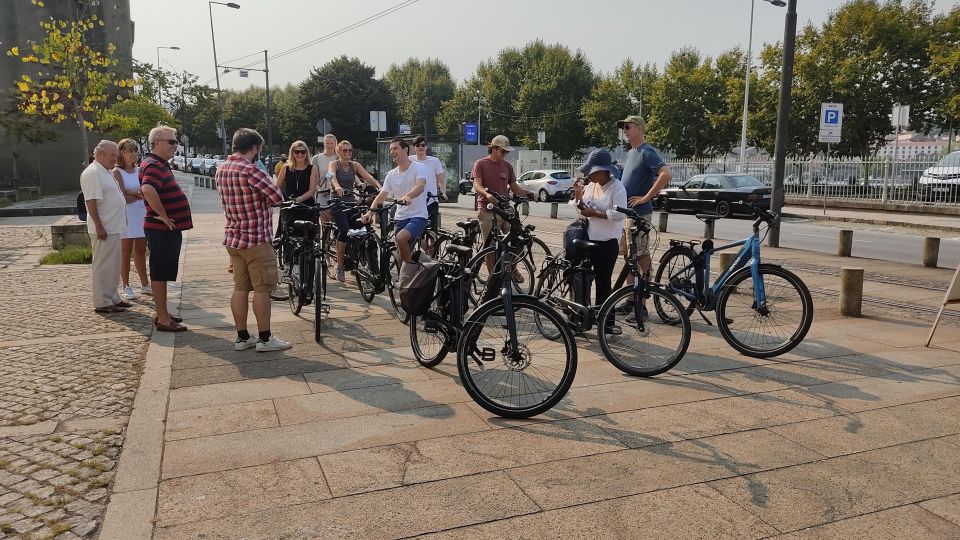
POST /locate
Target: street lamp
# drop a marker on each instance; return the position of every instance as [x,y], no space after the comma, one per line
[783,119]
[746,92]
[266,72]
[172,48]
[216,69]
[479,101]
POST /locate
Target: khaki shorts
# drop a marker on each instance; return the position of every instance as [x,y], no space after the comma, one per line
[485,217]
[643,239]
[254,269]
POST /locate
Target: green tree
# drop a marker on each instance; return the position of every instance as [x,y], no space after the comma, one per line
[344,91]
[420,87]
[74,80]
[609,101]
[134,117]
[944,69]
[289,124]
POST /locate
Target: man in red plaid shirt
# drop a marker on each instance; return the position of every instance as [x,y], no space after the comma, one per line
[247,194]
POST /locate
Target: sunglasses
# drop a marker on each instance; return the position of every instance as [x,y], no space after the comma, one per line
[299,151]
[421,145]
[347,150]
[171,142]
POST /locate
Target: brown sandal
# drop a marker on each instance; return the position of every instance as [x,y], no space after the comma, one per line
[109,309]
[175,327]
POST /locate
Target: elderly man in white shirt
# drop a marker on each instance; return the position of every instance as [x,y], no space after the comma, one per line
[106,222]
[598,200]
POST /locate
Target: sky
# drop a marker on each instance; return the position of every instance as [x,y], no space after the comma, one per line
[461,34]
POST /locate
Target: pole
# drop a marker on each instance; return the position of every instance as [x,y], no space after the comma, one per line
[825,176]
[266,71]
[746,92]
[159,99]
[893,171]
[783,119]
[216,72]
[479,98]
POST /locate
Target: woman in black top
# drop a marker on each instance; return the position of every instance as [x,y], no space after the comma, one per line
[298,179]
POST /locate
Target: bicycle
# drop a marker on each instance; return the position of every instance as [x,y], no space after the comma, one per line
[763,309]
[374,259]
[505,364]
[638,345]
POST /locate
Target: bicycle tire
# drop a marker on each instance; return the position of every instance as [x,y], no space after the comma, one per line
[663,340]
[393,278]
[479,290]
[366,263]
[319,294]
[428,243]
[549,285]
[674,260]
[429,348]
[295,289]
[501,372]
[538,252]
[783,296]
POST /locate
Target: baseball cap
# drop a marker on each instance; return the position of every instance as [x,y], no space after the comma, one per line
[632,119]
[502,141]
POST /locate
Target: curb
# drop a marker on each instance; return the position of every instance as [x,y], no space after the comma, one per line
[133,497]
[869,221]
[39,211]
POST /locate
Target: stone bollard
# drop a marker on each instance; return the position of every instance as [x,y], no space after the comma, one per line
[554,207]
[931,251]
[846,243]
[851,291]
[662,226]
[525,209]
[709,227]
[196,181]
[726,259]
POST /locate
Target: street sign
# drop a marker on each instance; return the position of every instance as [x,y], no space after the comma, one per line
[404,129]
[323,126]
[184,139]
[541,137]
[378,121]
[900,117]
[244,73]
[831,122]
[470,133]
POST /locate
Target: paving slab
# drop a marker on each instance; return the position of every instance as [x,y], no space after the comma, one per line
[884,391]
[946,507]
[211,395]
[192,423]
[910,522]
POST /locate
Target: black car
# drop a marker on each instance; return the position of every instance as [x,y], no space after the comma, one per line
[723,194]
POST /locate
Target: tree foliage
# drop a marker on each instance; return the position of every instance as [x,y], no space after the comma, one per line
[344,91]
[944,68]
[420,87]
[134,117]
[74,81]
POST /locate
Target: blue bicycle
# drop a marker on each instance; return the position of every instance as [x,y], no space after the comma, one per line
[763,310]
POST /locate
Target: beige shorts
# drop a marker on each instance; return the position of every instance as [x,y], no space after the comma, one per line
[642,241]
[485,217]
[254,269]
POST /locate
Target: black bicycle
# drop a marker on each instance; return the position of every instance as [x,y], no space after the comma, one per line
[629,337]
[374,259]
[505,363]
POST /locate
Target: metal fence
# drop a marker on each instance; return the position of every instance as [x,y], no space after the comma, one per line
[853,179]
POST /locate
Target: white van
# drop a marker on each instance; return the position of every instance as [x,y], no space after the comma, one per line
[941,183]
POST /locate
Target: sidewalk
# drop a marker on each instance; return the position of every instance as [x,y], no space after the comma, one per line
[896,219]
[856,430]
[49,205]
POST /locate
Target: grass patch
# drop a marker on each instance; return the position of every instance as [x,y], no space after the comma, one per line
[69,255]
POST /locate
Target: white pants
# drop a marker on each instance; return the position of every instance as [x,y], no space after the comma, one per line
[106,270]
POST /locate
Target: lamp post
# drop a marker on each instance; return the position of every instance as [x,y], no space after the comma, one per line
[783,119]
[746,92]
[479,101]
[266,71]
[172,48]
[216,69]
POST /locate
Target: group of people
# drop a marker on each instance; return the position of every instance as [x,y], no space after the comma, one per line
[132,208]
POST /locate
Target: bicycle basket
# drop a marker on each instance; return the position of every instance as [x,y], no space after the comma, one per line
[417,282]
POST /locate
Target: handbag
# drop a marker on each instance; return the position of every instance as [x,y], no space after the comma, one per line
[576,230]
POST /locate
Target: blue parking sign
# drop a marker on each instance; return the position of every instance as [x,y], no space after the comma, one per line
[832,117]
[470,133]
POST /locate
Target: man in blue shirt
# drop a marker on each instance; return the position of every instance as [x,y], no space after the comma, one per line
[644,175]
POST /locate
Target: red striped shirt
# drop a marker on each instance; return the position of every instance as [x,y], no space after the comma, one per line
[246,194]
[156,172]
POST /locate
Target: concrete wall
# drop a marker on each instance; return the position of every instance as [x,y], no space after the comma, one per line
[59,162]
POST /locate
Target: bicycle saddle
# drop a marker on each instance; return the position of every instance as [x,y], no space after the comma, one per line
[357,233]
[454,248]
[468,224]
[584,245]
[303,225]
[708,217]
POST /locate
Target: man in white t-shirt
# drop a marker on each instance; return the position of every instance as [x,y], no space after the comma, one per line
[407,183]
[106,222]
[435,190]
[321,162]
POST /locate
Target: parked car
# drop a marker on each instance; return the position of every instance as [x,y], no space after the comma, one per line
[466,183]
[213,164]
[178,162]
[722,194]
[550,184]
[941,183]
[208,162]
[196,163]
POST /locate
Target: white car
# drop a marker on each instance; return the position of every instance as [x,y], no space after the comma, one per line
[941,183]
[548,184]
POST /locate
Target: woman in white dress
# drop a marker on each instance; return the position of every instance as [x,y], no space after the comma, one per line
[132,241]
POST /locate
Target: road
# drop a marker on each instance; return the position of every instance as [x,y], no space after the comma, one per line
[795,233]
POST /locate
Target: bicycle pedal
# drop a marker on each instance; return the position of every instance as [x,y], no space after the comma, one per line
[325,308]
[431,327]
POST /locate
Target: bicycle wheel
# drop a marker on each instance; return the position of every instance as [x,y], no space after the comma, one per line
[284,272]
[428,336]
[321,309]
[673,277]
[771,329]
[366,269]
[428,243]
[538,253]
[392,290]
[550,287]
[482,289]
[525,384]
[648,345]
[296,290]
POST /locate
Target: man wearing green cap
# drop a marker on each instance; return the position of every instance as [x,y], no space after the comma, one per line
[644,175]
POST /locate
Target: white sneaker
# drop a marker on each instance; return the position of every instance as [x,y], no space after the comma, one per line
[128,293]
[147,290]
[272,344]
[241,344]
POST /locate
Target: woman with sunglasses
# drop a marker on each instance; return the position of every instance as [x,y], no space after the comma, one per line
[297,178]
[343,175]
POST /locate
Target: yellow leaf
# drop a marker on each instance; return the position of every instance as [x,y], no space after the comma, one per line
[39,3]
[15,51]
[23,86]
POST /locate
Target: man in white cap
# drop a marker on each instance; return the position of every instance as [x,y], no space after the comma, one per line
[494,174]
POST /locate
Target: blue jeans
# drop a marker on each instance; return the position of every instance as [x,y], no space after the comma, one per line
[415,226]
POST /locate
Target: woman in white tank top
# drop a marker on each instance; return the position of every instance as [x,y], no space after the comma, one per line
[127,175]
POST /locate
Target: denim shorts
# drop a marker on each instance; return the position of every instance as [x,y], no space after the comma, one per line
[415,226]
